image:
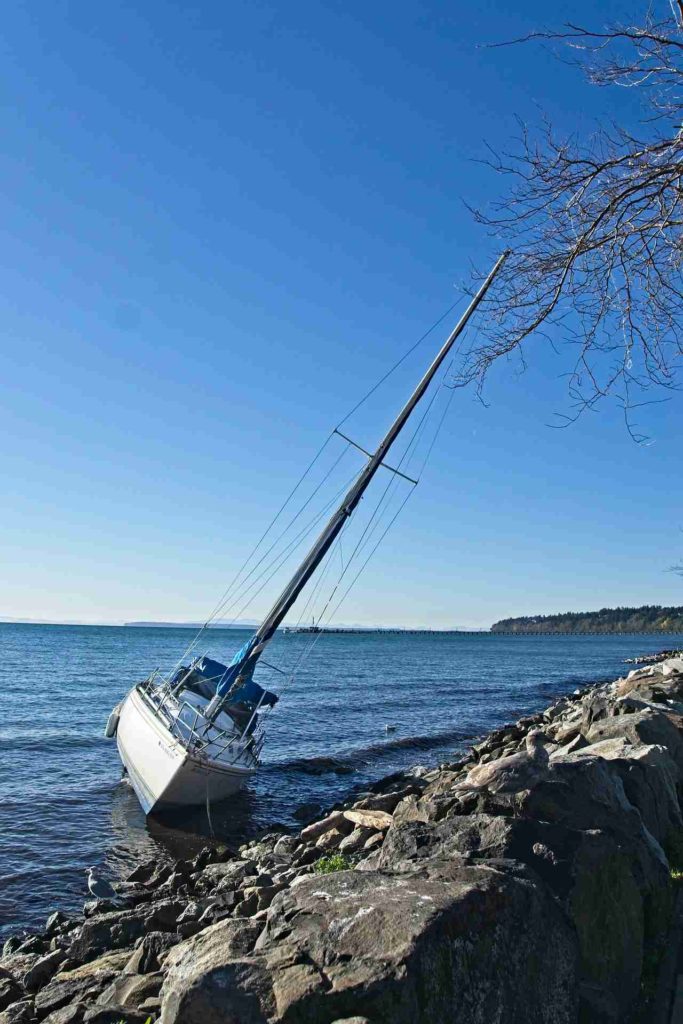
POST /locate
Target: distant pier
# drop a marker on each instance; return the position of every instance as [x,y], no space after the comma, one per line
[483,632]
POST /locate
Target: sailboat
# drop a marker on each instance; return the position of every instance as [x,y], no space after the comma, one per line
[195,736]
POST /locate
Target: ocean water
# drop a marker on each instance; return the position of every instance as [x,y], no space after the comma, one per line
[63,805]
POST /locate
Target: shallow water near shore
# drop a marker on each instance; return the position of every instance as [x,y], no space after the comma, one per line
[63,805]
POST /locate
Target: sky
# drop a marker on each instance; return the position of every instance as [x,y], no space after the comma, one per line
[221,224]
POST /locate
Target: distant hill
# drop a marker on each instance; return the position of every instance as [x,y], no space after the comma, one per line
[650,618]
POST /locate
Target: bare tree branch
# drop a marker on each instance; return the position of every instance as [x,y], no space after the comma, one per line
[595,226]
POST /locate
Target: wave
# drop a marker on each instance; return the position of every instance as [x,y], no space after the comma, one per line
[46,743]
[349,760]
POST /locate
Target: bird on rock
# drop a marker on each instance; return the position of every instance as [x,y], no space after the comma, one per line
[99,887]
[513,773]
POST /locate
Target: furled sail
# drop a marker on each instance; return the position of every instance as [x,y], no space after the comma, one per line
[224,678]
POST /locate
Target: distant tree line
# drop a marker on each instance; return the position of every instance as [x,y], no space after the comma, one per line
[647,618]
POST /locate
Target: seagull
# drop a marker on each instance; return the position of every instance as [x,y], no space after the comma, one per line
[513,773]
[99,888]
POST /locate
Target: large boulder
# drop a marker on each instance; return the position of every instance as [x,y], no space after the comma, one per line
[579,793]
[80,984]
[130,990]
[147,957]
[649,776]
[643,727]
[586,794]
[10,990]
[224,876]
[653,684]
[42,970]
[20,1012]
[119,929]
[591,872]
[445,943]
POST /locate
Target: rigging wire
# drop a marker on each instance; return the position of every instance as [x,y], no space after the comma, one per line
[408,495]
[370,528]
[392,484]
[279,559]
[220,607]
[405,500]
[284,532]
[282,556]
[253,551]
[403,358]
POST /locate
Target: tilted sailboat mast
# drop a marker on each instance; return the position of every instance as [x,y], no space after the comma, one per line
[244,662]
[196,737]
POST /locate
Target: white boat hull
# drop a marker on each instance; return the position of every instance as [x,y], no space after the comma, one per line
[162,771]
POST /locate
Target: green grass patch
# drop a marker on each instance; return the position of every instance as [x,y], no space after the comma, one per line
[335,862]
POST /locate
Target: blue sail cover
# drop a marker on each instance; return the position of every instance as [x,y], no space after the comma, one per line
[223,677]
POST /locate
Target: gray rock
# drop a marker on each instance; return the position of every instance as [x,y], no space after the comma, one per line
[10,991]
[20,1012]
[235,938]
[146,957]
[81,984]
[225,876]
[131,990]
[121,928]
[33,944]
[193,910]
[599,877]
[143,872]
[151,1005]
[579,792]
[305,855]
[261,851]
[511,774]
[55,922]
[643,727]
[410,809]
[444,944]
[374,842]
[17,964]
[41,972]
[285,847]
[71,1014]
[115,1015]
[649,777]
[356,840]
[596,707]
[429,806]
[384,801]
[330,840]
[216,907]
[336,820]
[248,906]
[579,742]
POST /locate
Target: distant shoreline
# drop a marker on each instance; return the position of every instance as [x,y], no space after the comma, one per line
[354,630]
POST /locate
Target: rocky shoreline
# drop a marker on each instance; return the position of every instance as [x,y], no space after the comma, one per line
[537,890]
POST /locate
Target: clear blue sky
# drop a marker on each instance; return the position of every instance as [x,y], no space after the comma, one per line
[221,223]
